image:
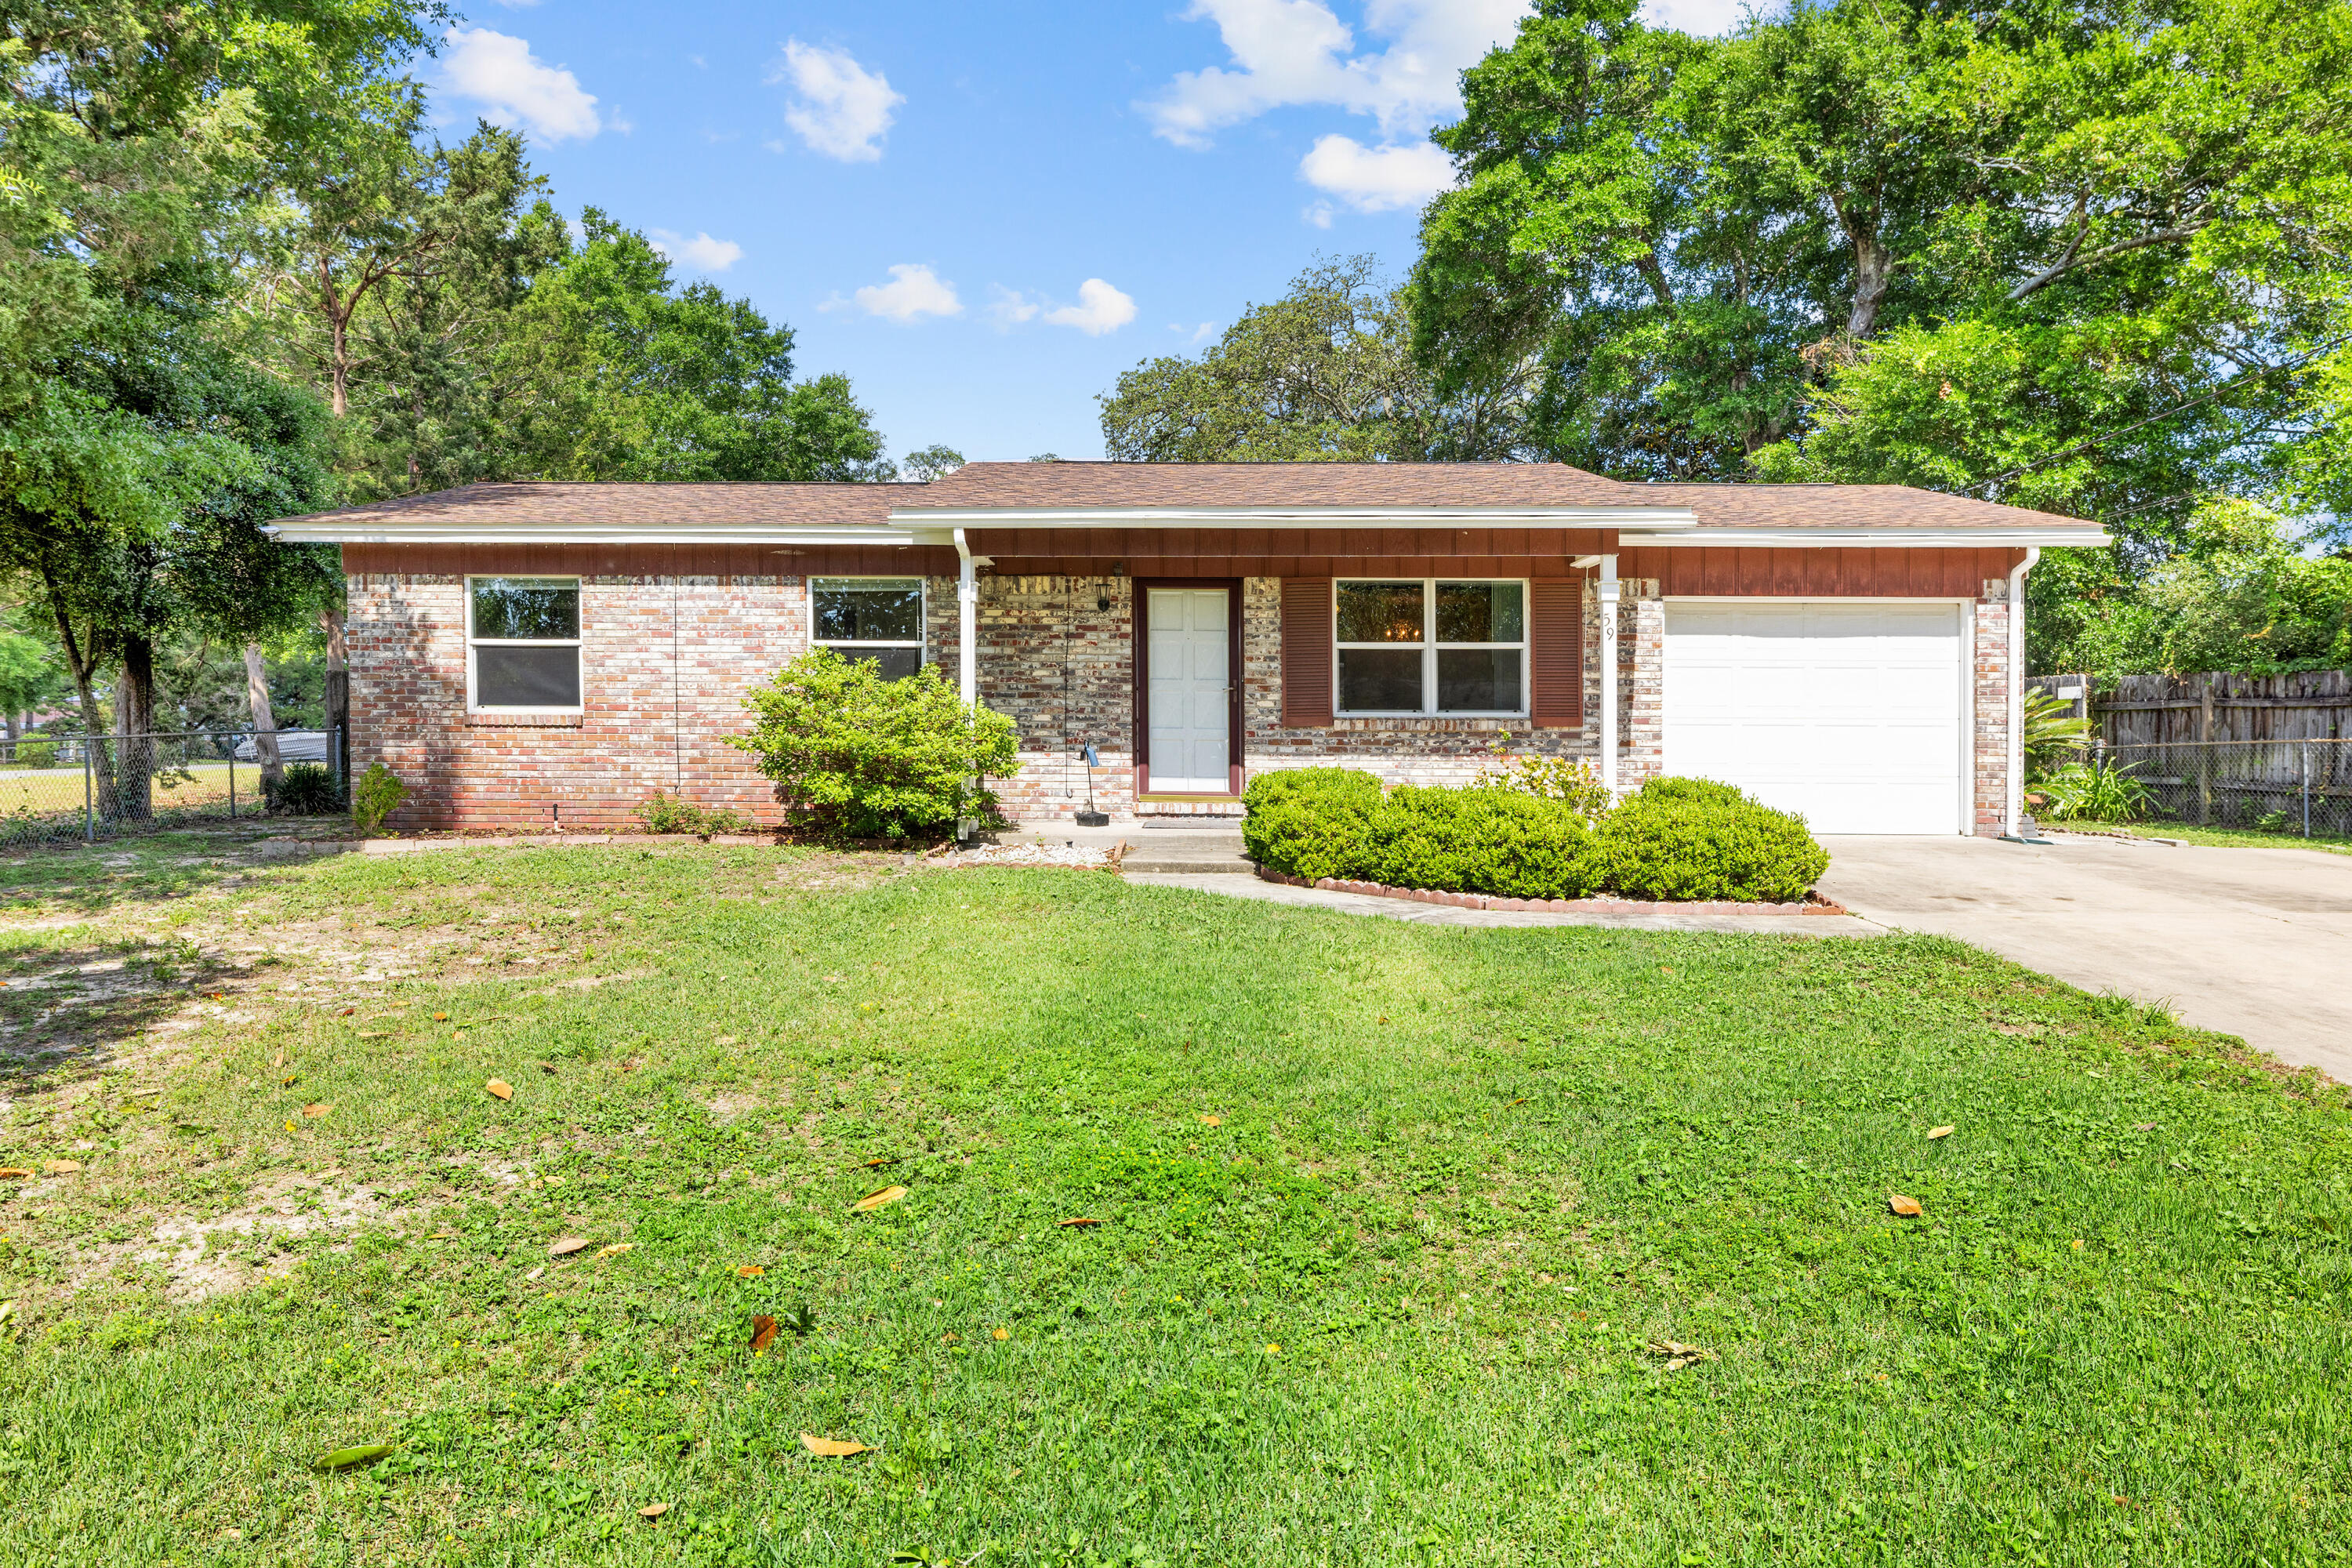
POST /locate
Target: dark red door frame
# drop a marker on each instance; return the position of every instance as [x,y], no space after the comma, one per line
[1141,674]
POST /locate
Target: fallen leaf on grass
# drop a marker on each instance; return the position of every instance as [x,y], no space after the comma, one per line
[60,1167]
[1213,1120]
[616,1249]
[749,1271]
[1680,1355]
[347,1012]
[832,1447]
[1939,1132]
[881,1160]
[440,1017]
[500,1087]
[344,1458]
[872,1201]
[725,1040]
[375,1034]
[565,1246]
[1001,1334]
[315,1111]
[1080,1222]
[15,1173]
[653,1511]
[547,1067]
[764,1334]
[1907,1207]
[290,1080]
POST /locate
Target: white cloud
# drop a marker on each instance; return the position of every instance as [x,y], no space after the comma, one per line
[1101,309]
[515,87]
[913,292]
[702,253]
[842,108]
[1374,179]
[1298,52]
[1009,307]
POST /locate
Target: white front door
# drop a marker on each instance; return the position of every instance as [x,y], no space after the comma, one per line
[1852,714]
[1190,691]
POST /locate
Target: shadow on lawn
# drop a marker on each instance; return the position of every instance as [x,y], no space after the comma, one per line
[96,880]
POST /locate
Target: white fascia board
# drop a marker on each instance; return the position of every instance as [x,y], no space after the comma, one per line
[321,531]
[1645,517]
[1865,538]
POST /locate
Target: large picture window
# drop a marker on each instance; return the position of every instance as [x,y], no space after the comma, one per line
[522,637]
[880,619]
[1433,647]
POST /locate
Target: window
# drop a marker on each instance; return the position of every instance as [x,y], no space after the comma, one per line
[524,642]
[880,619]
[1433,647]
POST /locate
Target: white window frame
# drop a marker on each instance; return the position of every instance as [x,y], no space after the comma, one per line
[921,643]
[1429,646]
[473,643]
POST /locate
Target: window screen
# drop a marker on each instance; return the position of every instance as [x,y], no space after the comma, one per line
[877,619]
[524,640]
[1432,647]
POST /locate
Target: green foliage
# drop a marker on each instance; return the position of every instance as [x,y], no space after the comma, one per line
[380,793]
[1309,822]
[2054,733]
[1323,374]
[2071,254]
[1475,841]
[304,789]
[662,812]
[932,462]
[2097,790]
[1696,839]
[854,756]
[1568,779]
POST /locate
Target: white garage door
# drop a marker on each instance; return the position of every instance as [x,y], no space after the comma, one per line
[1851,713]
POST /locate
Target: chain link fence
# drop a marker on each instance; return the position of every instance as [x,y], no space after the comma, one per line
[2299,787]
[54,788]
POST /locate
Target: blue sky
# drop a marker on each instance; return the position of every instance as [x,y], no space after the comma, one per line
[985,212]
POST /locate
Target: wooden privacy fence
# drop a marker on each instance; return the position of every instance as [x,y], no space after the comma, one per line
[2236,751]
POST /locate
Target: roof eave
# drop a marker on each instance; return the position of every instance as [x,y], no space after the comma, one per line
[1298,517]
[1868,537]
[323,531]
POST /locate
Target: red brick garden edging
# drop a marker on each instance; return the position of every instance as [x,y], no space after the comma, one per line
[1813,904]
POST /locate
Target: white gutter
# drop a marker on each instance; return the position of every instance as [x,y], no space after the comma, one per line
[2017,686]
[1609,675]
[967,623]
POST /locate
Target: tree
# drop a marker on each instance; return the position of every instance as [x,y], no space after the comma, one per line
[932,462]
[2087,255]
[1324,374]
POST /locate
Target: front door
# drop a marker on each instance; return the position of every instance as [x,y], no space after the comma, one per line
[1191,691]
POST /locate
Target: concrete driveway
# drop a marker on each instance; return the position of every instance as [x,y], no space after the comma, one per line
[2253,942]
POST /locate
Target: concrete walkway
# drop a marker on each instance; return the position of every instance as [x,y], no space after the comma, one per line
[2253,942]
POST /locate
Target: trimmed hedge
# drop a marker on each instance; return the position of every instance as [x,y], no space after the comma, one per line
[1678,839]
[1696,839]
[1478,841]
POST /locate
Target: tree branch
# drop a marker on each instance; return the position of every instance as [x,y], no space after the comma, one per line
[2070,262]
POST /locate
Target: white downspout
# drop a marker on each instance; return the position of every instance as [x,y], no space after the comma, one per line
[1609,675]
[2017,686]
[967,618]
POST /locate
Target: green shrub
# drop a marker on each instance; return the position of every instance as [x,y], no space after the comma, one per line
[378,794]
[303,789]
[1550,778]
[40,753]
[854,754]
[1683,839]
[2100,790]
[1309,822]
[1479,840]
[664,813]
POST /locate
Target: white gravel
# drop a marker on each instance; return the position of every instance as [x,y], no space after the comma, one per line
[1085,857]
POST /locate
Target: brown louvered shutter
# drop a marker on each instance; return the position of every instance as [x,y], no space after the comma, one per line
[1556,651]
[1307,652]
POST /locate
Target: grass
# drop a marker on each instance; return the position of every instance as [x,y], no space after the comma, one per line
[2232,837]
[1401,1227]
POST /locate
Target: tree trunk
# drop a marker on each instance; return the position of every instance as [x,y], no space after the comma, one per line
[1873,269]
[265,721]
[134,719]
[82,664]
[330,621]
[15,732]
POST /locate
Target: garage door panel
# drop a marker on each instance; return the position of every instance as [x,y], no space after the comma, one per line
[1850,715]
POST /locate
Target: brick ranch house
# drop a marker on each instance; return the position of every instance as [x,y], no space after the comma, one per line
[552,653]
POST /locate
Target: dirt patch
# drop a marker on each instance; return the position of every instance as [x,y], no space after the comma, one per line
[235,1251]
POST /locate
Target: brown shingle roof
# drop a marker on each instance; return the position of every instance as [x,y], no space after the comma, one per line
[1271,485]
[553,504]
[1842,506]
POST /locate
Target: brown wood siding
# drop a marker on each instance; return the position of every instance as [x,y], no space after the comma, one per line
[728,563]
[1285,552]
[1556,652]
[1307,652]
[1805,573]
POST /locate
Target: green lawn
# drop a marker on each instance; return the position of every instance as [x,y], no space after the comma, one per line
[1399,1228]
[2234,837]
